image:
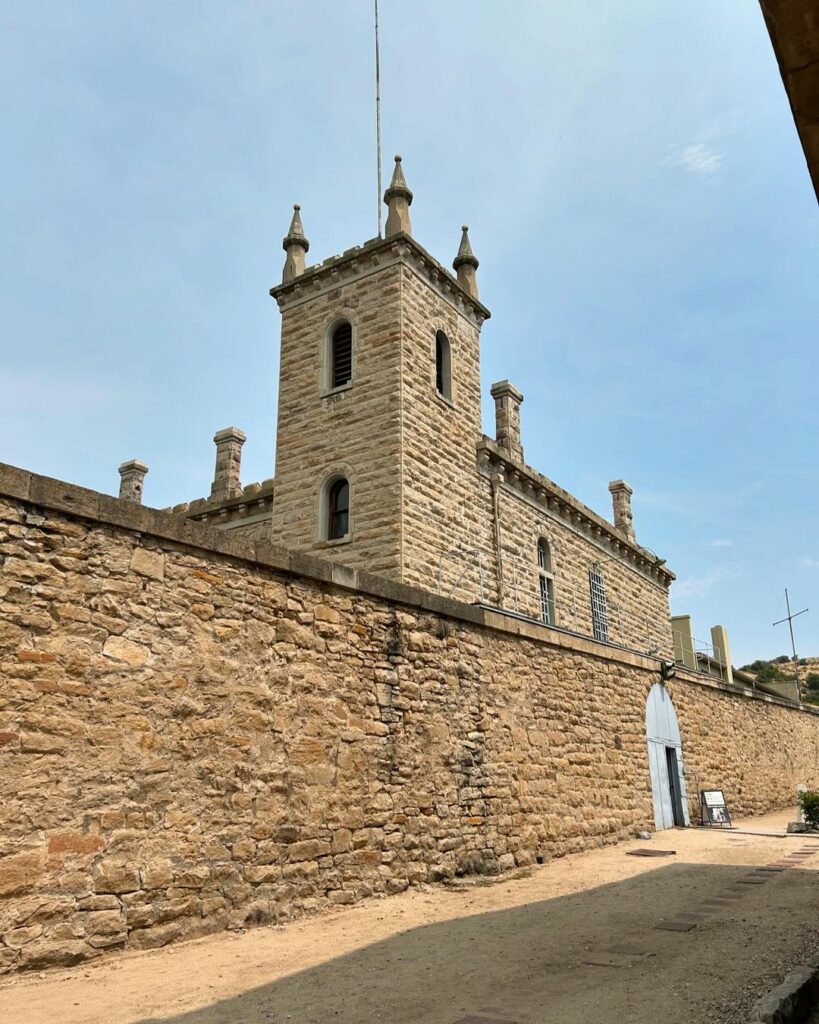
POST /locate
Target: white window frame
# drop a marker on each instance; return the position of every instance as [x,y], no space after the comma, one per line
[546,584]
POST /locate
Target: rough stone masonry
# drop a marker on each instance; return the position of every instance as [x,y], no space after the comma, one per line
[201,732]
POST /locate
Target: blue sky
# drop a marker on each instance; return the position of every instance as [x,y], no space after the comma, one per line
[635,192]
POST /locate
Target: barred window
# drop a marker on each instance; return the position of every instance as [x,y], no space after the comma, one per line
[600,617]
[545,582]
[341,355]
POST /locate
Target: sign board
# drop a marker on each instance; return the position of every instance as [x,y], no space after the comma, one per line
[713,808]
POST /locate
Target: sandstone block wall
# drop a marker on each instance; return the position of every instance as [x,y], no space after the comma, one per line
[198,733]
[638,610]
[446,506]
[422,511]
[354,431]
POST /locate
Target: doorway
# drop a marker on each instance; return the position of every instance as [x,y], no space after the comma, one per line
[674,786]
[665,760]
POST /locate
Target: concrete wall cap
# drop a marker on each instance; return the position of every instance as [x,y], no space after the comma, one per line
[502,388]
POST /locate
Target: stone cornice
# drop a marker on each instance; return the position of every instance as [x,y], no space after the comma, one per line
[371,256]
[494,461]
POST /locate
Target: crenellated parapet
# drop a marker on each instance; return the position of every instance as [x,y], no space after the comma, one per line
[302,284]
[375,255]
[254,503]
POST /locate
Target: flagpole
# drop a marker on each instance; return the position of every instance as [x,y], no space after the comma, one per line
[378,114]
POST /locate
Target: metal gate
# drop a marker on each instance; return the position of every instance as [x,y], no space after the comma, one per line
[664,755]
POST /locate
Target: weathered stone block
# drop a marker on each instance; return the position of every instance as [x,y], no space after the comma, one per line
[156,874]
[120,649]
[21,872]
[148,562]
[115,875]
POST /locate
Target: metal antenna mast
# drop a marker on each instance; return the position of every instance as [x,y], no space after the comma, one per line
[789,619]
[378,114]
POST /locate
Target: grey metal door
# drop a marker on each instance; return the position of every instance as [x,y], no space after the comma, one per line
[662,732]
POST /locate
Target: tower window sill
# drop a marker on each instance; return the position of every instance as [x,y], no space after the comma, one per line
[346,539]
[330,392]
[442,398]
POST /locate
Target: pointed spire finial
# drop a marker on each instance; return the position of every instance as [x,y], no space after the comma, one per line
[465,264]
[398,198]
[295,244]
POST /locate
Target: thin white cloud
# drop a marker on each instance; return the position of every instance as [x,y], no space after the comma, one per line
[701,586]
[705,156]
[720,543]
[699,159]
[809,563]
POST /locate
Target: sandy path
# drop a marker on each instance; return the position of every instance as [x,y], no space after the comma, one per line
[516,950]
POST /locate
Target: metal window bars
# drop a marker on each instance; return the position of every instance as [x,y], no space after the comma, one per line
[461,575]
[599,609]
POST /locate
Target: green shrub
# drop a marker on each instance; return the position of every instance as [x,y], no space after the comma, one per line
[812,681]
[809,802]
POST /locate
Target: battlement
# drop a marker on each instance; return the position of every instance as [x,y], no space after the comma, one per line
[377,254]
[253,501]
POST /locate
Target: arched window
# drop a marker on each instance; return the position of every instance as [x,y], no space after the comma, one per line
[546,585]
[341,355]
[443,369]
[338,509]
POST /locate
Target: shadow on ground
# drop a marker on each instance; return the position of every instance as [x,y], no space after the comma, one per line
[529,963]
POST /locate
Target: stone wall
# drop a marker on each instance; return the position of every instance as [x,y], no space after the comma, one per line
[638,612]
[353,431]
[199,733]
[446,505]
[422,511]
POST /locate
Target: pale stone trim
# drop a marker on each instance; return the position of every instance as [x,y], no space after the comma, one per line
[326,390]
[336,471]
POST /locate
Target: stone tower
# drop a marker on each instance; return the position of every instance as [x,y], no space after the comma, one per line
[380,389]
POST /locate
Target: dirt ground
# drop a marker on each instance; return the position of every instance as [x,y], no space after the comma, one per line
[575,941]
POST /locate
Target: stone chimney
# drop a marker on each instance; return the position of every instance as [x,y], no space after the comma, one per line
[621,503]
[132,480]
[722,651]
[398,198]
[507,417]
[684,650]
[296,246]
[465,264]
[226,482]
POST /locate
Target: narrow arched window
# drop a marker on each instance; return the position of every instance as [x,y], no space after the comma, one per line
[341,355]
[546,584]
[443,369]
[338,509]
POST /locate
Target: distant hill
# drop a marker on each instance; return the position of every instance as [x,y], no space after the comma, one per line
[781,670]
